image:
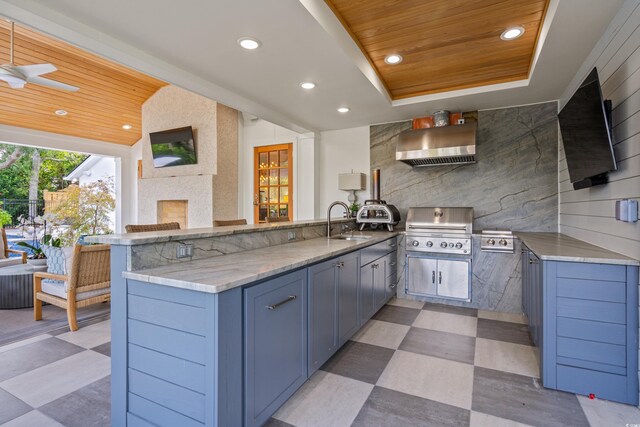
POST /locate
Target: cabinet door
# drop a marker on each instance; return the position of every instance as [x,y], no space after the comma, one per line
[275,339]
[379,284]
[421,277]
[323,340]
[525,281]
[453,279]
[390,273]
[367,309]
[348,275]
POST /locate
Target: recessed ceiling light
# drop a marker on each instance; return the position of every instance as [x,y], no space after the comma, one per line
[61,112]
[249,43]
[393,59]
[344,109]
[307,85]
[512,33]
[127,127]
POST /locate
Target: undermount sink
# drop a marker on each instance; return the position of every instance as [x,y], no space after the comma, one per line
[351,237]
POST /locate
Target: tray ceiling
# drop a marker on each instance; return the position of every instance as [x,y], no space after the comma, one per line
[445,44]
[110,94]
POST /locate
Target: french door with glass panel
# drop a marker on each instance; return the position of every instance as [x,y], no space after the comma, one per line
[273,182]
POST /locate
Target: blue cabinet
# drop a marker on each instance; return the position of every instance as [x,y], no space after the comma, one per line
[333,307]
[275,344]
[584,319]
[348,281]
[323,313]
[377,277]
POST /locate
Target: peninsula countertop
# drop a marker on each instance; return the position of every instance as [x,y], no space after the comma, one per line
[560,247]
[132,239]
[225,272]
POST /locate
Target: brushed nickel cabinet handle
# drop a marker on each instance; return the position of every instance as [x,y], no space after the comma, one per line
[433,277]
[439,277]
[393,264]
[274,306]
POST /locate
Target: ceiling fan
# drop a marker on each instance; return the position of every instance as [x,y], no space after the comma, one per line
[17,76]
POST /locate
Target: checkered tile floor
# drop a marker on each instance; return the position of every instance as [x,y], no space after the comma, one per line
[414,364]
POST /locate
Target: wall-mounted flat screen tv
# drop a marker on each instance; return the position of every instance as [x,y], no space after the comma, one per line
[173,147]
[585,125]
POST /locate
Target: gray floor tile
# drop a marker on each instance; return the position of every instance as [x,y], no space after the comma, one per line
[89,406]
[363,362]
[392,408]
[504,331]
[276,423]
[440,344]
[103,349]
[395,314]
[11,407]
[522,399]
[24,359]
[444,308]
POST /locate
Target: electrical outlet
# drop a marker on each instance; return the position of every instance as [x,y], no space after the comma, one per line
[184,250]
[291,235]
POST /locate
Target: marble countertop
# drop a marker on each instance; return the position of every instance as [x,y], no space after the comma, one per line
[221,273]
[132,239]
[560,247]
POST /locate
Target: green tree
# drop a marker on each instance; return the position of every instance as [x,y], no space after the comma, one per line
[85,210]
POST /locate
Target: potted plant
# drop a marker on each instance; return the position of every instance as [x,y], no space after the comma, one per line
[37,256]
[354,209]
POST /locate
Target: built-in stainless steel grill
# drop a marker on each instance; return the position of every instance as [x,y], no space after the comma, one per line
[439,248]
[440,230]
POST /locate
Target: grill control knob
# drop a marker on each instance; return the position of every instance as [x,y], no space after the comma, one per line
[443,245]
[491,242]
[458,245]
[451,245]
[429,243]
[502,242]
[415,243]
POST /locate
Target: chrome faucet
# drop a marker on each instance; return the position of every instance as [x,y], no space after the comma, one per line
[346,209]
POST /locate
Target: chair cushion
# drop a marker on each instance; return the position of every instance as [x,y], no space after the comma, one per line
[6,262]
[58,259]
[59,289]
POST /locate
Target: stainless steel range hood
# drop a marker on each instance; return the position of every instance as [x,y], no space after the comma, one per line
[447,145]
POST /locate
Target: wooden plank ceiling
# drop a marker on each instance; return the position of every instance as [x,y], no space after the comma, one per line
[110,94]
[445,44]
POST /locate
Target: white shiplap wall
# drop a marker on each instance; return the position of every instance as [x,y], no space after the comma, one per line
[589,214]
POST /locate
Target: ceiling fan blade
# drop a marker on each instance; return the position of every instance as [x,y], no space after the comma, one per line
[52,84]
[13,81]
[34,70]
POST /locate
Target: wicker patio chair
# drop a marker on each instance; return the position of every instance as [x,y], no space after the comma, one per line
[224,222]
[5,261]
[88,282]
[140,228]
[277,219]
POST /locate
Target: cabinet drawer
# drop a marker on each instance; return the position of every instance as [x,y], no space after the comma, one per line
[583,270]
[585,381]
[372,253]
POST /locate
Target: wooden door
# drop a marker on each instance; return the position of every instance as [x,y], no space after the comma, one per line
[273,182]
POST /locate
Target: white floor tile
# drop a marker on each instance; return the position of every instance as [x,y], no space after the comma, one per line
[402,302]
[508,357]
[24,342]
[503,317]
[33,419]
[478,419]
[429,377]
[447,322]
[602,413]
[46,384]
[325,400]
[89,336]
[383,334]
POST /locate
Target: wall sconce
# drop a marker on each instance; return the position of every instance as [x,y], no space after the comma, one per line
[352,182]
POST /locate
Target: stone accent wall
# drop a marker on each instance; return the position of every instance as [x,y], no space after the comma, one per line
[513,185]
